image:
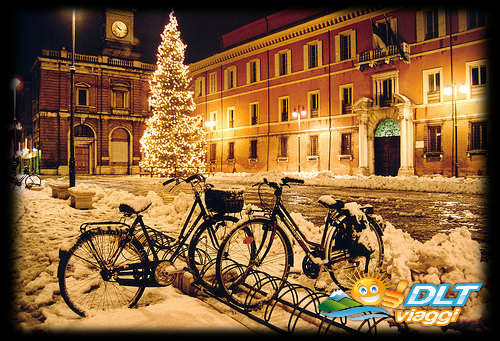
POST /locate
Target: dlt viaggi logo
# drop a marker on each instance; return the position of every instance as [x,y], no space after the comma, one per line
[368,292]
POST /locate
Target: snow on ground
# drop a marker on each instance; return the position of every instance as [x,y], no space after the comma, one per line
[43,224]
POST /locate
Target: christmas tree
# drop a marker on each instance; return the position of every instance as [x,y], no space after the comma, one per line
[174,141]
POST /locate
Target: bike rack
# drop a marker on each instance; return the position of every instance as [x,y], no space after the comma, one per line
[294,309]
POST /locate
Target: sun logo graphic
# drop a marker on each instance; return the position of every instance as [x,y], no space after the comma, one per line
[367,292]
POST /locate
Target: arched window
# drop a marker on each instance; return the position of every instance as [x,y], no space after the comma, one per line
[83,130]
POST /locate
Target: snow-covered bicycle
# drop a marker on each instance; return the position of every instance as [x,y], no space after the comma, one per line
[112,263]
[255,257]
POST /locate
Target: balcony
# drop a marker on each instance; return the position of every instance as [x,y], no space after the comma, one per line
[374,58]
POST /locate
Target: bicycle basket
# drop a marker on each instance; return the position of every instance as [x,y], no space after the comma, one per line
[224,200]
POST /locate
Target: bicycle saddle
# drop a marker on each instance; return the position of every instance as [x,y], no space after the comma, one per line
[329,202]
[135,206]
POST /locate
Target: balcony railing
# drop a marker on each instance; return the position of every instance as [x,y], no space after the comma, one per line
[390,52]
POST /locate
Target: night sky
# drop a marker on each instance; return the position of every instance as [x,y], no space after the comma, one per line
[35,29]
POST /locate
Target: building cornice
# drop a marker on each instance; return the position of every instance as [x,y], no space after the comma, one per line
[315,26]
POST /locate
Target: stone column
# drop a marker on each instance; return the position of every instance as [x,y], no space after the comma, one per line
[405,119]
[361,108]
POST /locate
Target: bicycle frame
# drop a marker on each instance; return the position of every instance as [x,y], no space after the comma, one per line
[178,245]
[279,211]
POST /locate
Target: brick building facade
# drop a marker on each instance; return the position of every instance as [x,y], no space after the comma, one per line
[110,105]
[373,83]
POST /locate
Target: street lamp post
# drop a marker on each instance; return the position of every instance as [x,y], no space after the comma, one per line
[296,114]
[17,125]
[72,69]
[451,90]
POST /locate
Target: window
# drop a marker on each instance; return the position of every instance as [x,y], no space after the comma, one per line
[314,104]
[120,95]
[253,149]
[230,154]
[82,94]
[345,144]
[230,77]
[433,142]
[476,17]
[230,117]
[213,82]
[385,85]
[253,71]
[83,130]
[283,147]
[313,145]
[254,113]
[213,153]
[346,99]
[283,63]
[284,108]
[385,38]
[345,45]
[432,86]
[82,97]
[478,136]
[431,23]
[313,54]
[477,77]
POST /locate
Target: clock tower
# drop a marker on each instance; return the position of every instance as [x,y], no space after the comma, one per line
[118,34]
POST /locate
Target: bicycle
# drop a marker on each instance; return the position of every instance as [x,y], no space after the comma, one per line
[30,179]
[112,263]
[259,246]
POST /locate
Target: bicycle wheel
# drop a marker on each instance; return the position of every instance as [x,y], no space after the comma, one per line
[204,246]
[352,254]
[88,287]
[32,180]
[253,262]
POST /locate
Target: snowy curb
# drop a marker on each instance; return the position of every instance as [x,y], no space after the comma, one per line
[435,183]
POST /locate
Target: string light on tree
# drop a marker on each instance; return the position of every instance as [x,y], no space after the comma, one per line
[174,141]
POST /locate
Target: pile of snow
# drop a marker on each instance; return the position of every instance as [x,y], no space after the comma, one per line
[445,258]
[43,224]
[435,183]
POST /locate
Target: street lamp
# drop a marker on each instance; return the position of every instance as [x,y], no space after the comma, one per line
[296,114]
[451,90]
[72,70]
[17,125]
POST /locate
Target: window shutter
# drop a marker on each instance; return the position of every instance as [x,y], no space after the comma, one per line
[289,61]
[441,22]
[197,87]
[319,44]
[353,44]
[306,57]
[337,48]
[276,65]
[420,26]
[258,70]
[226,81]
[462,19]
[248,72]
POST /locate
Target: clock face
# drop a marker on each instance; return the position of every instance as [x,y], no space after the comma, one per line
[119,29]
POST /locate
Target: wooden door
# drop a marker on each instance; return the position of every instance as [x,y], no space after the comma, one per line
[82,160]
[387,155]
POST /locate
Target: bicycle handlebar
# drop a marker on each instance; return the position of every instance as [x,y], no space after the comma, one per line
[198,177]
[284,182]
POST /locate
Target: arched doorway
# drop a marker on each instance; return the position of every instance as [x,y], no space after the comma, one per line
[119,151]
[84,138]
[387,148]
